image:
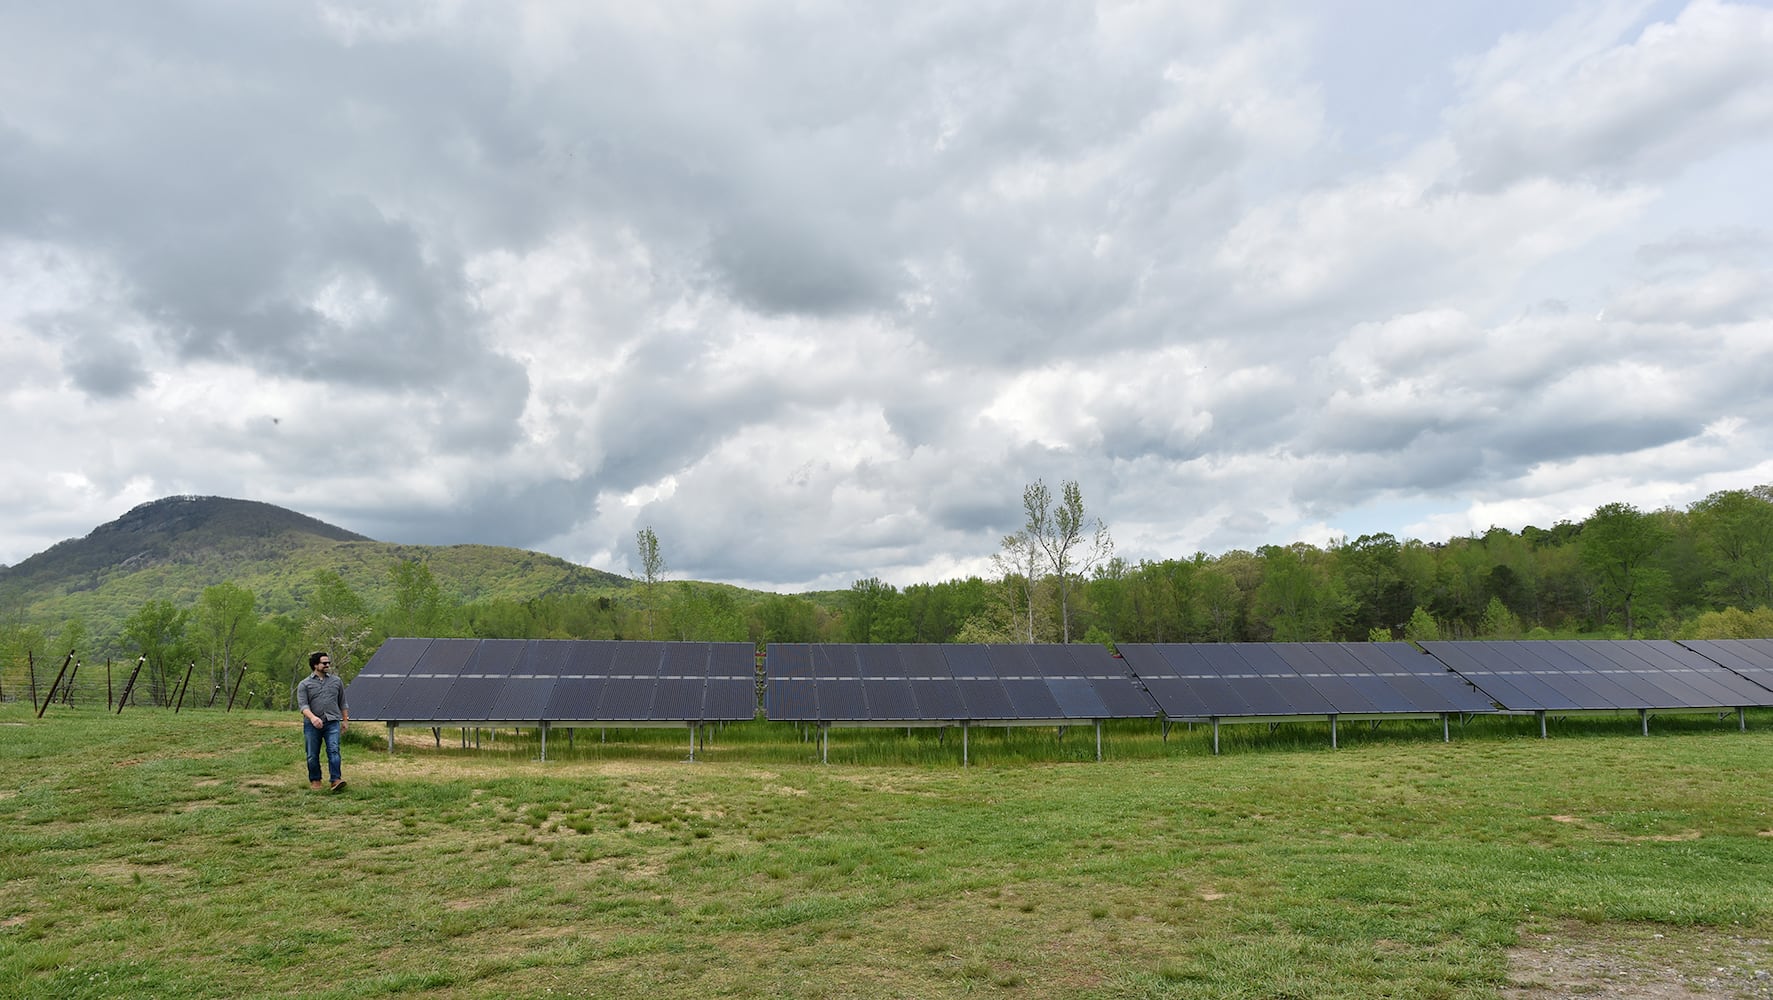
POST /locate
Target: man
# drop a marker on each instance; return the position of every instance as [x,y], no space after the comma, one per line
[321,697]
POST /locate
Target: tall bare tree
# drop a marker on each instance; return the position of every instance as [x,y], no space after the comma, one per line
[1068,537]
[652,570]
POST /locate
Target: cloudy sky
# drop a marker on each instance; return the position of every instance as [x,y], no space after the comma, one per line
[815,289]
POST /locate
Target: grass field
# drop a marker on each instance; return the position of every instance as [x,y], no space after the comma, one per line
[175,856]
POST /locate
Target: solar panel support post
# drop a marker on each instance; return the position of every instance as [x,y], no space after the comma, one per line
[437,736]
[1332,731]
[1644,718]
[1742,720]
[542,727]
[824,742]
[965,758]
[1446,729]
[391,726]
[1166,725]
[692,729]
[1541,715]
[1098,741]
[1215,736]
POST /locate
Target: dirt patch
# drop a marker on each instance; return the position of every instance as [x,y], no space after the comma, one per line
[1629,962]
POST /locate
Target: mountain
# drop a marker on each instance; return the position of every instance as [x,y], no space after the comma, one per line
[171,549]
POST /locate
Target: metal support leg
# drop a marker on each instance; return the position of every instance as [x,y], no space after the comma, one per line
[824,742]
[1541,714]
[1098,740]
[1644,720]
[1166,725]
[437,736]
[692,730]
[391,737]
[965,735]
[1332,732]
[1446,729]
[544,731]
[1215,736]
[1742,720]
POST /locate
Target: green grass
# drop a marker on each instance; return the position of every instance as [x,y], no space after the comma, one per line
[153,854]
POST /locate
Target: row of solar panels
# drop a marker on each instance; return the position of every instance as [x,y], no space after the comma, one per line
[562,681]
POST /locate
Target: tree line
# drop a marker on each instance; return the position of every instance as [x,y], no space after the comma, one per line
[1706,571]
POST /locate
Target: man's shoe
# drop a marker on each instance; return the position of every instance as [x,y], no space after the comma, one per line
[314,785]
[339,785]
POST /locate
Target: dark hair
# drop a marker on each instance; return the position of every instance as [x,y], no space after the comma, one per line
[314,658]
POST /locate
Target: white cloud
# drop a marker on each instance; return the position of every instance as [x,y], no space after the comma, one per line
[815,292]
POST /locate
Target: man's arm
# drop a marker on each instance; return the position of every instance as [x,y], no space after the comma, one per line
[302,703]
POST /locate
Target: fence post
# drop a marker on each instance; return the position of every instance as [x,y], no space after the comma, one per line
[183,686]
[238,678]
[58,680]
[130,686]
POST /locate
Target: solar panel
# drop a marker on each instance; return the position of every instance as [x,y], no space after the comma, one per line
[732,682]
[482,679]
[938,696]
[430,680]
[376,685]
[1076,698]
[841,699]
[1297,694]
[628,699]
[1447,688]
[678,698]
[1330,662]
[576,699]
[1374,688]
[567,658]
[879,661]
[790,693]
[1504,680]
[892,700]
[1190,663]
[523,698]
[985,698]
[975,678]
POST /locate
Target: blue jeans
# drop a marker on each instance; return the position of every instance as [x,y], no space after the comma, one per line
[313,735]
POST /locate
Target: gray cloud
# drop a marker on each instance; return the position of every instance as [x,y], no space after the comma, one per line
[817,292]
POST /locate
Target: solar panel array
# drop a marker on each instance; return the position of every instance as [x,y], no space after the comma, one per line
[521,681]
[435,681]
[1610,675]
[930,684]
[1279,680]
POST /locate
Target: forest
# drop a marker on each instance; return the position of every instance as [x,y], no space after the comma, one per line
[1702,572]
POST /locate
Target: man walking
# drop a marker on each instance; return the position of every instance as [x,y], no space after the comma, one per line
[321,697]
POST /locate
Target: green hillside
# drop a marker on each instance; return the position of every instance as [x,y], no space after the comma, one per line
[171,549]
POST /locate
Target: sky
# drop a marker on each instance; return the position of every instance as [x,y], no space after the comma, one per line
[815,290]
